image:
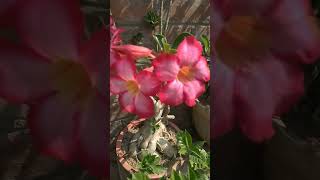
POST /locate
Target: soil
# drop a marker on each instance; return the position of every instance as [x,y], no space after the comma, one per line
[171,137]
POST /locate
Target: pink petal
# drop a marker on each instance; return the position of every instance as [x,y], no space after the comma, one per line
[117,85]
[172,93]
[52,28]
[295,88]
[150,69]
[260,91]
[134,51]
[189,51]
[201,70]
[223,100]
[166,67]
[94,60]
[149,84]
[125,68]
[192,90]
[93,136]
[144,107]
[52,124]
[255,105]
[127,102]
[297,30]
[23,75]
[114,57]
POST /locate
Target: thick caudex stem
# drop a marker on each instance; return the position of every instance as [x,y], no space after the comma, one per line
[148,136]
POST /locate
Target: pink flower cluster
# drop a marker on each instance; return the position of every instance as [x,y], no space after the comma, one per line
[174,78]
[259,48]
[61,77]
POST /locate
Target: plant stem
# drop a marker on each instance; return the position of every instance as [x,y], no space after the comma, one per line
[161,17]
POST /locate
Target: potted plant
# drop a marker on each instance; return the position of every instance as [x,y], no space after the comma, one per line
[148,84]
[195,163]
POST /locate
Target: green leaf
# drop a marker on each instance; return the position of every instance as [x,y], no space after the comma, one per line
[160,40]
[152,18]
[205,44]
[184,142]
[179,39]
[150,164]
[199,144]
[199,159]
[176,176]
[139,176]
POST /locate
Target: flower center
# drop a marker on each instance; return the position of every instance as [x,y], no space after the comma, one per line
[71,79]
[132,87]
[185,74]
[243,41]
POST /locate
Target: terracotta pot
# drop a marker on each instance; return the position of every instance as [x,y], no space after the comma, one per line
[125,169]
[290,157]
[201,120]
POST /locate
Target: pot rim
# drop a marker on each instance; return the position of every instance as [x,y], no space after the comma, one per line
[120,154]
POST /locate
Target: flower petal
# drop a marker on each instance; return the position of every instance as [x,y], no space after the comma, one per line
[192,90]
[117,85]
[23,75]
[149,84]
[260,91]
[189,51]
[201,70]
[172,93]
[144,107]
[297,30]
[94,59]
[114,57]
[166,67]
[51,123]
[127,102]
[223,100]
[93,136]
[125,68]
[134,51]
[52,28]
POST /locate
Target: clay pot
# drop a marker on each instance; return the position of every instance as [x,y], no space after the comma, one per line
[201,120]
[290,157]
[125,169]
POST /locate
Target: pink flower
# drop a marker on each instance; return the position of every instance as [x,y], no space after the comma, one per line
[134,89]
[184,73]
[63,81]
[134,51]
[259,49]
[118,50]
[115,33]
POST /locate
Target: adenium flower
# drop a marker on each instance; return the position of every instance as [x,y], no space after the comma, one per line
[134,89]
[118,50]
[115,33]
[259,49]
[185,73]
[63,81]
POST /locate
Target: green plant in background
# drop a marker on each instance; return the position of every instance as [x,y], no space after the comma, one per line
[150,164]
[152,19]
[139,176]
[198,158]
[137,39]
